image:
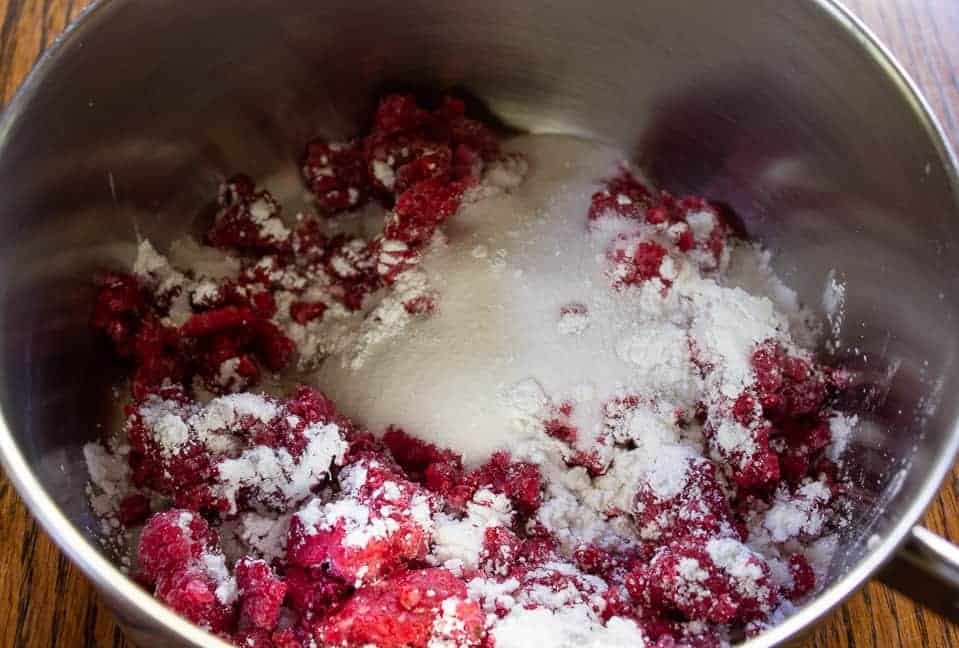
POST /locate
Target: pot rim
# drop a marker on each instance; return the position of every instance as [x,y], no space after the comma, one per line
[119,588]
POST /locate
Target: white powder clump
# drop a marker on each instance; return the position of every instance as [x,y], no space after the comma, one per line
[841,428]
[568,627]
[265,535]
[277,477]
[458,542]
[214,563]
[109,480]
[799,514]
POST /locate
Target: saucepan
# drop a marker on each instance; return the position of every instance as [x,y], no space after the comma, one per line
[789,112]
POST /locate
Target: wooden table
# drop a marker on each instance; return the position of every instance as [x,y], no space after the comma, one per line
[45,601]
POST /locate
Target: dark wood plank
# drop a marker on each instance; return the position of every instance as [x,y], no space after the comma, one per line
[46,602]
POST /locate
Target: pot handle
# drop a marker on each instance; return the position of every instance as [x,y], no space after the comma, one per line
[926,569]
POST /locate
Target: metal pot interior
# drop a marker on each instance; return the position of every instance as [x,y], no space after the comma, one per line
[777,110]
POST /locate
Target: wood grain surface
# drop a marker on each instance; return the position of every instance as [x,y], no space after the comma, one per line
[46,602]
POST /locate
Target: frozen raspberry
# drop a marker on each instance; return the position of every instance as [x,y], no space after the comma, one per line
[313,592]
[182,471]
[423,305]
[351,264]
[379,522]
[134,509]
[803,439]
[502,550]
[593,560]
[804,579]
[635,261]
[416,456]
[117,311]
[260,593]
[157,357]
[623,195]
[272,346]
[788,386]
[397,113]
[336,175]
[393,258]
[172,540]
[248,219]
[521,482]
[699,509]
[406,611]
[216,321]
[716,581]
[193,592]
[421,209]
[434,163]
[292,638]
[309,239]
[469,137]
[305,312]
[562,430]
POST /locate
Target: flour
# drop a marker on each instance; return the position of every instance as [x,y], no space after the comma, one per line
[458,542]
[278,478]
[799,514]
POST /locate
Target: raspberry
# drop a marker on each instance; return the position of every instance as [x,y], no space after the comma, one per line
[402,612]
[700,509]
[635,261]
[561,430]
[134,509]
[417,457]
[191,592]
[375,526]
[684,578]
[248,219]
[273,347]
[421,209]
[313,592]
[593,560]
[788,386]
[172,540]
[305,312]
[336,174]
[261,594]
[117,310]
[397,113]
[521,482]
[803,577]
[623,195]
[501,552]
[217,321]
[157,358]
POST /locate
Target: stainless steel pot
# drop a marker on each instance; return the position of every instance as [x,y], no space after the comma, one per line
[788,111]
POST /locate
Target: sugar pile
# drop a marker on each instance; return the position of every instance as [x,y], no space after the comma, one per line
[524,299]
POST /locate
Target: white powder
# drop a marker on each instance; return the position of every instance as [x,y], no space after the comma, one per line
[383,173]
[740,564]
[567,627]
[841,428]
[458,542]
[798,514]
[264,535]
[449,628]
[277,477]
[109,478]
[215,566]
